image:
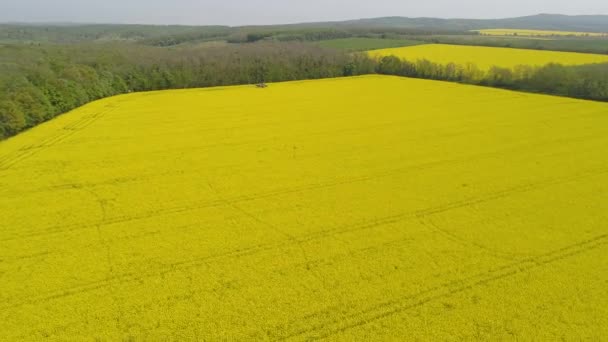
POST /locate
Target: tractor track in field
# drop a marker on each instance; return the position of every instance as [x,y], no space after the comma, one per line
[400,305]
[294,215]
[9,160]
[464,159]
[53,230]
[327,233]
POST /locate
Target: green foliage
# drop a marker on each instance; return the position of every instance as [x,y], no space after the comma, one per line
[165,36]
[254,37]
[365,44]
[12,119]
[391,65]
[148,34]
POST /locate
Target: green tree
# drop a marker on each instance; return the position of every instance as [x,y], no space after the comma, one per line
[12,119]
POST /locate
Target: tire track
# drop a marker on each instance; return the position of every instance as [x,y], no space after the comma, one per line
[79,125]
[85,121]
[31,150]
[213,203]
[396,306]
[27,151]
[11,159]
[465,242]
[327,233]
[238,199]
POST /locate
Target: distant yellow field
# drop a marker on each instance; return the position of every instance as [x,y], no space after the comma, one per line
[485,57]
[355,209]
[538,33]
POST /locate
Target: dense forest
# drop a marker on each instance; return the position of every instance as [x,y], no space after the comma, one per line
[176,35]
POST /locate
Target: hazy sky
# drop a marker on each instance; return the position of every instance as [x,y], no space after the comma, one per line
[240,12]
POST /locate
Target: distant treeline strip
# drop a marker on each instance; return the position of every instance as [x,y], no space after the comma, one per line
[176,35]
[582,81]
[583,45]
[38,83]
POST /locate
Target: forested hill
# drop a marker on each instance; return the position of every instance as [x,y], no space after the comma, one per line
[175,34]
[76,33]
[585,23]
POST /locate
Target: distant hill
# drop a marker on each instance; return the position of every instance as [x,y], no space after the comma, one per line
[588,23]
[165,35]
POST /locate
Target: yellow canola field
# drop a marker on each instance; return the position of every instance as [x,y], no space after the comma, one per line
[538,33]
[367,208]
[486,57]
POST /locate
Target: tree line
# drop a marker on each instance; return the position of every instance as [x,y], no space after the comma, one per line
[579,44]
[38,83]
[588,81]
[175,35]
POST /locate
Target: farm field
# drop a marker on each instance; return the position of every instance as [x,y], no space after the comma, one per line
[365,208]
[569,44]
[486,57]
[538,33]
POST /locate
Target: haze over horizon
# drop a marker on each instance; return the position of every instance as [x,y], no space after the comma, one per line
[258,12]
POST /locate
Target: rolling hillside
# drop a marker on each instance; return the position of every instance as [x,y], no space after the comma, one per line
[317,209]
[175,34]
[539,33]
[585,23]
